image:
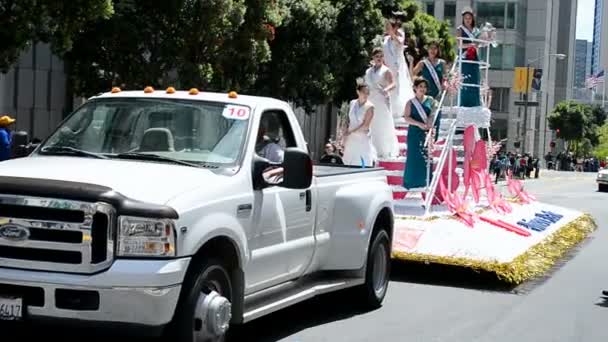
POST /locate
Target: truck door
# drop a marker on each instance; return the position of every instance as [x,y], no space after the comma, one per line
[283,244]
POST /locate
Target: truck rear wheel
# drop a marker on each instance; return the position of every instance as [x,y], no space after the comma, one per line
[204,312]
[377,272]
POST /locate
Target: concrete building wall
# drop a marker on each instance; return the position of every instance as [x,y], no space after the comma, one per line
[34,91]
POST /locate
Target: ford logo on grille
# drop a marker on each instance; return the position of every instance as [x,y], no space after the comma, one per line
[14,232]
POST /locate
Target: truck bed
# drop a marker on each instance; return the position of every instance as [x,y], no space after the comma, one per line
[328,170]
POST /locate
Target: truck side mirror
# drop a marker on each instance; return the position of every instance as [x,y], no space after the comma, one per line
[295,172]
[20,145]
[297,167]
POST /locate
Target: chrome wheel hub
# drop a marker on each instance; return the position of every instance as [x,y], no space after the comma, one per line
[212,317]
[379,272]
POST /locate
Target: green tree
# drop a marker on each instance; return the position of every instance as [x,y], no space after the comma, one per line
[50,21]
[213,45]
[601,150]
[578,125]
[303,50]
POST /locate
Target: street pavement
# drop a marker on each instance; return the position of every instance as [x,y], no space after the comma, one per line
[430,303]
[433,303]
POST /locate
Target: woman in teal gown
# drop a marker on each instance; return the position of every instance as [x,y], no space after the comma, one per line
[432,69]
[418,114]
[469,96]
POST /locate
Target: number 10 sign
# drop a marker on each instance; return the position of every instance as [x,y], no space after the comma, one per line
[233,112]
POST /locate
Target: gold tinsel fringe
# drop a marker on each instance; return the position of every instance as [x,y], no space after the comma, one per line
[533,263]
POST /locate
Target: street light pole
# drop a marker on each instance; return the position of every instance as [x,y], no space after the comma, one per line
[559,56]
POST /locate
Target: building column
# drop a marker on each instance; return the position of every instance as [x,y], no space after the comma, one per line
[439,9]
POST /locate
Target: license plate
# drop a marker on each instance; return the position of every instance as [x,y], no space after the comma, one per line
[11,309]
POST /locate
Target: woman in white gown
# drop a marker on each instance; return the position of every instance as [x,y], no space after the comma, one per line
[380,81]
[393,48]
[358,148]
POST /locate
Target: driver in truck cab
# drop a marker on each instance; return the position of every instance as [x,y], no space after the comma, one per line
[269,136]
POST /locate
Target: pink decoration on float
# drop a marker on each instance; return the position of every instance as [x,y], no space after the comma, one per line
[458,205]
[495,200]
[516,188]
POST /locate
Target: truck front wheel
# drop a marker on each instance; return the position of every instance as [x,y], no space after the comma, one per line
[204,312]
[377,272]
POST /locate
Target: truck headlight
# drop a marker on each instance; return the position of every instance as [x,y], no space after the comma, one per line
[143,237]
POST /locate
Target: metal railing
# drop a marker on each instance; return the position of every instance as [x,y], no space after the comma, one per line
[431,185]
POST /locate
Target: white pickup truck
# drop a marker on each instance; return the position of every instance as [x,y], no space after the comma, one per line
[184,212]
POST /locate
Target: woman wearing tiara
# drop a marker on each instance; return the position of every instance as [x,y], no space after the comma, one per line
[469,96]
[432,69]
[393,48]
[358,148]
[418,114]
[380,81]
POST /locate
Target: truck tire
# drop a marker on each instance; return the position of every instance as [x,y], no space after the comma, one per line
[602,188]
[204,310]
[377,272]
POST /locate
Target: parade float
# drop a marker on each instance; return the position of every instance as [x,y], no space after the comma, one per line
[461,217]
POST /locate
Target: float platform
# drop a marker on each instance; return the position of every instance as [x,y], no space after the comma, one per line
[443,239]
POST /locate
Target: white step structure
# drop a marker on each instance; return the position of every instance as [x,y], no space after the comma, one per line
[452,124]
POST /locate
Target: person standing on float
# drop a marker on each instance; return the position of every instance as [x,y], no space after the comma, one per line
[432,68]
[419,115]
[358,148]
[380,81]
[469,96]
[393,48]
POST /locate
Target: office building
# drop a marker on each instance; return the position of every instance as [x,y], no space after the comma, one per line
[34,91]
[528,32]
[599,55]
[581,60]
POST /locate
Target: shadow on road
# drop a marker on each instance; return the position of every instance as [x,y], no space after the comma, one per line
[603,302]
[318,311]
[445,275]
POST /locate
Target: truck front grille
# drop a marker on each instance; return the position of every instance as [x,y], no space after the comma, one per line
[56,235]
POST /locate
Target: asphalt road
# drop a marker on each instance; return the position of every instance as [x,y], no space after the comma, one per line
[431,303]
[427,303]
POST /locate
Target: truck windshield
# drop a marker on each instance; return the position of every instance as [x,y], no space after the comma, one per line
[182,130]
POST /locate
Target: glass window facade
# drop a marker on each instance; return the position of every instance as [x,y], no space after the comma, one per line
[449,12]
[492,12]
[429,8]
[500,100]
[510,22]
[503,15]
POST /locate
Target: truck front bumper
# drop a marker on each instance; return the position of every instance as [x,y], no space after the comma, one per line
[131,292]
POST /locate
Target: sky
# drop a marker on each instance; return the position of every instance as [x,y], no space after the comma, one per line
[584,19]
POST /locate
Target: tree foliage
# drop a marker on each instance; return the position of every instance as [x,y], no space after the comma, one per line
[578,124]
[601,150]
[303,49]
[306,51]
[185,43]
[50,21]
